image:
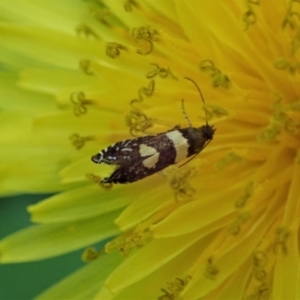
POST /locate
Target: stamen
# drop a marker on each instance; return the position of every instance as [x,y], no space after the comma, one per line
[174,288]
[94,178]
[281,239]
[248,192]
[228,160]
[269,134]
[85,31]
[295,43]
[137,121]
[259,262]
[147,35]
[262,291]
[147,91]
[260,275]
[292,20]
[122,247]
[218,78]
[129,4]
[79,141]
[162,72]
[213,111]
[97,179]
[294,106]
[259,259]
[211,270]
[135,239]
[235,227]
[249,17]
[279,121]
[100,15]
[297,159]
[178,180]
[80,102]
[292,17]
[283,64]
[86,66]
[89,254]
[113,49]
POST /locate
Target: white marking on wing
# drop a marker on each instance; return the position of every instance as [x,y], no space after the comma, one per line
[147,150]
[126,149]
[180,144]
[151,161]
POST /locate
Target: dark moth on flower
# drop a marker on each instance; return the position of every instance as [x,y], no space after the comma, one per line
[140,157]
[143,156]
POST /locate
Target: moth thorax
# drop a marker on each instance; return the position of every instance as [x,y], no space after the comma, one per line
[198,137]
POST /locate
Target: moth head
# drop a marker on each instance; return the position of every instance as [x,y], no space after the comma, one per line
[208,131]
[97,158]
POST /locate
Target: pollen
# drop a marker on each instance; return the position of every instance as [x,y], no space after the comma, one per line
[174,288]
[89,254]
[125,244]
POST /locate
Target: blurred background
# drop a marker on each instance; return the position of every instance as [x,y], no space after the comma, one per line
[25,281]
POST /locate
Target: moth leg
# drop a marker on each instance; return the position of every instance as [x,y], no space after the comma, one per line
[105,180]
[105,185]
[116,177]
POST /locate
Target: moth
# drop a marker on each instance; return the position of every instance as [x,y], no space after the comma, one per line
[140,157]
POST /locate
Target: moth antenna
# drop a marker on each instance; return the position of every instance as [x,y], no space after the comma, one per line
[184,113]
[200,93]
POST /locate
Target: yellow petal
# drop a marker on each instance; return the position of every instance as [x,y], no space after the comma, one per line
[84,283]
[82,203]
[286,273]
[48,240]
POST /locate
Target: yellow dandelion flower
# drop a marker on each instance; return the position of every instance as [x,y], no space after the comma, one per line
[223,226]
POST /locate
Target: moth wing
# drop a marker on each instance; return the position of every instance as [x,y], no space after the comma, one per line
[149,156]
